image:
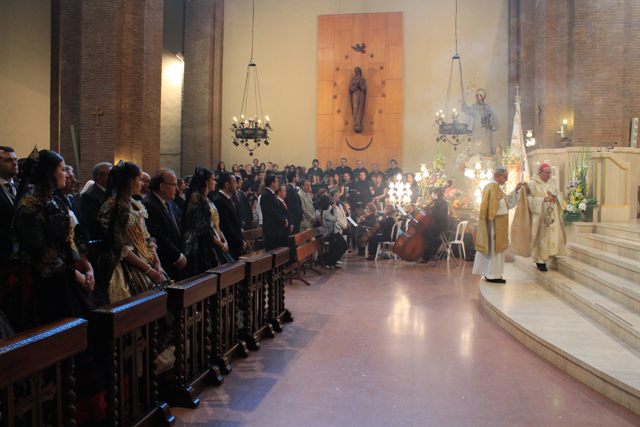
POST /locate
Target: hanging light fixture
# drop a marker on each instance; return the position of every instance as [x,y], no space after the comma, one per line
[454,132]
[252,130]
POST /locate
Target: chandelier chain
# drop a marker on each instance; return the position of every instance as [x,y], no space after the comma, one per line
[253,19]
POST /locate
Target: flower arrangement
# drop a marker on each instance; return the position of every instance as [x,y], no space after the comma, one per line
[577,201]
[430,178]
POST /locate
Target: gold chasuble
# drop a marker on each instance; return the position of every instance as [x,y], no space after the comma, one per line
[491,196]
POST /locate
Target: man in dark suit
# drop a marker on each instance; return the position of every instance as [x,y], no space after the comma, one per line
[163,222]
[228,210]
[66,194]
[294,204]
[356,172]
[92,200]
[8,192]
[245,204]
[275,225]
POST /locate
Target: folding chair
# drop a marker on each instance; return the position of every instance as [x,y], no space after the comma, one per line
[394,236]
[446,237]
[459,238]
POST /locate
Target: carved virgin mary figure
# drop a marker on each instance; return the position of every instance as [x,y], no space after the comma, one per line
[358,94]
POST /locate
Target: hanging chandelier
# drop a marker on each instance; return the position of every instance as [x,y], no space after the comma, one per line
[452,132]
[252,130]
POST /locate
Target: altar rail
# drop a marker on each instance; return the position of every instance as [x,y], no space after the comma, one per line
[129,328]
[277,313]
[253,303]
[39,363]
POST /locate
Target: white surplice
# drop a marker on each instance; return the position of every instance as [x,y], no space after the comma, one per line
[492,266]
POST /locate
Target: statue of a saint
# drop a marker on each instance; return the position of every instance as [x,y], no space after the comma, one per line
[358,94]
[482,121]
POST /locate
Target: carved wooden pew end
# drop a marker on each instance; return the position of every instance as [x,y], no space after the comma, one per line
[192,300]
[130,329]
[253,301]
[276,311]
[26,356]
[226,345]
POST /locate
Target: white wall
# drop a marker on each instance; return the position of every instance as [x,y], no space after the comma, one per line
[285,50]
[25,70]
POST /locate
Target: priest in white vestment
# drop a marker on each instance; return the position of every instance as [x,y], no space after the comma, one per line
[492,239]
[548,236]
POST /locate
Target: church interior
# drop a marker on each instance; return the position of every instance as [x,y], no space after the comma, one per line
[520,308]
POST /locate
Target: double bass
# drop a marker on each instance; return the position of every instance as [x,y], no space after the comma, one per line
[410,245]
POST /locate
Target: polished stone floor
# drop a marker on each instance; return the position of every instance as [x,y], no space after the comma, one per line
[375,344]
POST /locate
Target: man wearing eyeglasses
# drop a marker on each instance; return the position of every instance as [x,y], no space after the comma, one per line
[163,222]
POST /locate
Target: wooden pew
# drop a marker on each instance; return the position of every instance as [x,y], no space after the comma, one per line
[304,252]
[253,238]
[226,345]
[252,301]
[192,300]
[130,329]
[27,356]
[276,311]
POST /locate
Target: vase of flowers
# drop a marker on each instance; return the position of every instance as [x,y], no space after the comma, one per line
[577,205]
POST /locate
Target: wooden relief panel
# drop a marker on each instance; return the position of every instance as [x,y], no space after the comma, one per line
[381,65]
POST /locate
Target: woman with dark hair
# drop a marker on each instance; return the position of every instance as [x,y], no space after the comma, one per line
[41,283]
[220,169]
[293,169]
[327,215]
[384,234]
[365,223]
[129,262]
[440,212]
[38,284]
[263,167]
[206,245]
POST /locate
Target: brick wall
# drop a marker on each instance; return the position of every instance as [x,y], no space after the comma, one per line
[577,60]
[202,100]
[109,58]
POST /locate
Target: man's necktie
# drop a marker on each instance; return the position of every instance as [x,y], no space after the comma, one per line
[173,218]
[12,191]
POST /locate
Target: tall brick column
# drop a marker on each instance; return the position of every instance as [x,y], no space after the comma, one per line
[110,58]
[202,99]
[577,61]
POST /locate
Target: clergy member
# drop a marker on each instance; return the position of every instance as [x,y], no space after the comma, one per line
[548,236]
[493,227]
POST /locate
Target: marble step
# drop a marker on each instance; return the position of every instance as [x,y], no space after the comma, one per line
[612,263]
[622,231]
[565,336]
[626,248]
[618,318]
[623,290]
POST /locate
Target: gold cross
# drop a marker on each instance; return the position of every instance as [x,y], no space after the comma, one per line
[97,112]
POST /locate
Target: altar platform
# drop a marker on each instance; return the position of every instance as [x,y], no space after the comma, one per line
[583,315]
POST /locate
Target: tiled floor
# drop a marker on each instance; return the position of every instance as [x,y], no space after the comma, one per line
[381,345]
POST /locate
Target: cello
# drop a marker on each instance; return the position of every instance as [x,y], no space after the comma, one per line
[410,245]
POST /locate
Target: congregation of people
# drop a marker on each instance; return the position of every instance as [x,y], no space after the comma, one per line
[68,247]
